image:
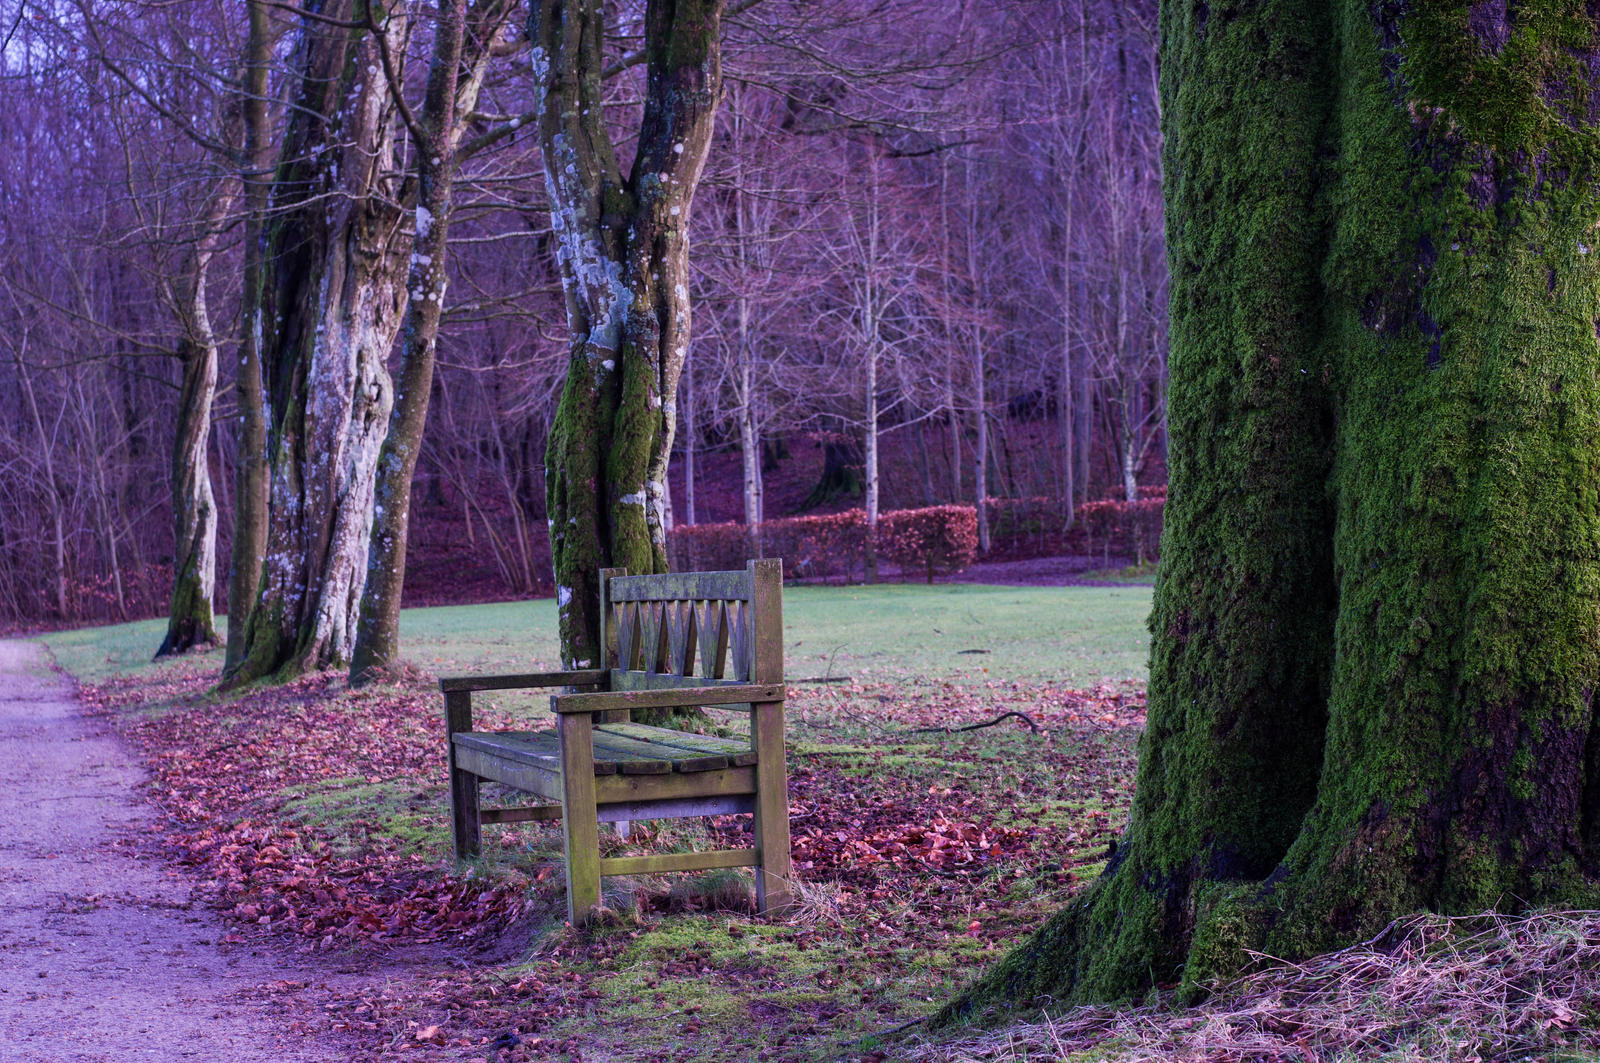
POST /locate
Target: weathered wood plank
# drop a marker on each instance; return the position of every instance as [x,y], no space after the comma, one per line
[585,677]
[680,638]
[621,680]
[766,622]
[678,808]
[464,832]
[525,814]
[579,827]
[663,862]
[739,639]
[564,704]
[631,758]
[712,620]
[628,636]
[517,774]
[772,811]
[609,648]
[541,748]
[672,758]
[737,752]
[631,811]
[618,789]
[682,586]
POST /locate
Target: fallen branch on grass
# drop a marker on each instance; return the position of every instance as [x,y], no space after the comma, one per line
[1024,717]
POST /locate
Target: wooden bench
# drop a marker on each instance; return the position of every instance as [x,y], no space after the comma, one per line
[671,641]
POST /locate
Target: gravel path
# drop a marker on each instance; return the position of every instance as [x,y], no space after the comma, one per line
[101,955]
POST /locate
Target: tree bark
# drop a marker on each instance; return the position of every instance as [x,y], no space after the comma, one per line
[194,507]
[337,294]
[1376,633]
[252,471]
[624,263]
[377,642]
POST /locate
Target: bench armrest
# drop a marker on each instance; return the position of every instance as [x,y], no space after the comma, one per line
[567,704]
[583,677]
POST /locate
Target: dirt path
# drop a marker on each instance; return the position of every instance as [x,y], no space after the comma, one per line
[101,955]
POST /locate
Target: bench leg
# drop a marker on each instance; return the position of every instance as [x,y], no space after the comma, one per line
[464,826]
[579,826]
[773,869]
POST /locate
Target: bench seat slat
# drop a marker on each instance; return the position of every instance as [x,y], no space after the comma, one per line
[736,751]
[678,758]
[542,750]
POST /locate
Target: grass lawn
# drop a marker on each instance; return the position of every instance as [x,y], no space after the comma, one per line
[966,633]
[320,814]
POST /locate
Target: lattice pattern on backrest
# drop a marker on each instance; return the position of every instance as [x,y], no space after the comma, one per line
[678,626]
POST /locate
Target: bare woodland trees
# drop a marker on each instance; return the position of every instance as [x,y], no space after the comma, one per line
[1016,298]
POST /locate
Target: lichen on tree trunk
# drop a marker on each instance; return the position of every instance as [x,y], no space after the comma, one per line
[1376,632]
[335,299]
[624,261]
[461,52]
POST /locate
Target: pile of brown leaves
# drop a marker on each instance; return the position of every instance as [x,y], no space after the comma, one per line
[220,772]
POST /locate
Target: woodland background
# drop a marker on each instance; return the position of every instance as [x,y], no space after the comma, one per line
[930,227]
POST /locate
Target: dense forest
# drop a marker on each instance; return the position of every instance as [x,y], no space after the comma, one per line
[924,233]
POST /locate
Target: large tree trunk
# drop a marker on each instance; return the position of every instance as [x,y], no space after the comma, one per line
[1376,634]
[624,263]
[253,468]
[337,296]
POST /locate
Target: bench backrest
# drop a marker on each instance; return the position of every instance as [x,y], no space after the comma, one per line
[682,629]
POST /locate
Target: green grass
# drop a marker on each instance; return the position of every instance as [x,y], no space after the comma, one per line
[1084,634]
[95,654]
[891,631]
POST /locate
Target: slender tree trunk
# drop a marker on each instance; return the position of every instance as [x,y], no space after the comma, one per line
[980,464]
[252,468]
[194,508]
[870,464]
[338,295]
[690,445]
[58,528]
[377,643]
[624,263]
[1376,635]
[750,458]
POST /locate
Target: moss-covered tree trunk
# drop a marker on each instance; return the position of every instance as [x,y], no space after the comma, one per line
[1376,635]
[624,263]
[335,297]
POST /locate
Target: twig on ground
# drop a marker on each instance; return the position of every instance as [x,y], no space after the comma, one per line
[1024,717]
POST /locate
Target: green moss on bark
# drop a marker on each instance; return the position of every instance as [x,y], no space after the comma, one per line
[1376,634]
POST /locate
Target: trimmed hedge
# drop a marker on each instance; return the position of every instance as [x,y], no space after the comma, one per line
[938,540]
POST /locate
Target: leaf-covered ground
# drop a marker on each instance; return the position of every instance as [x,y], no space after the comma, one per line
[316,818]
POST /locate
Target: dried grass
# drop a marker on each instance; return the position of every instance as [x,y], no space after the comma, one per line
[1479,988]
